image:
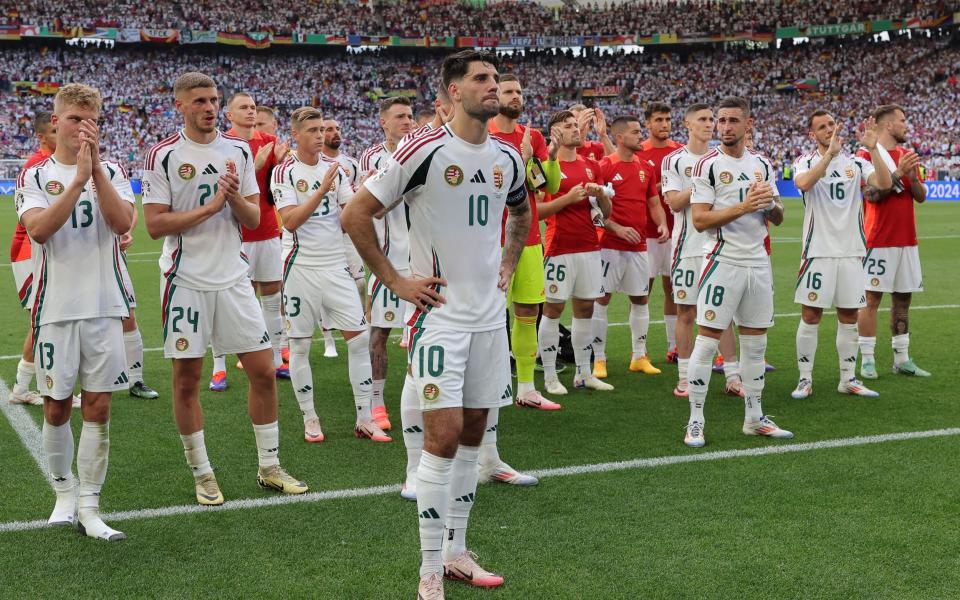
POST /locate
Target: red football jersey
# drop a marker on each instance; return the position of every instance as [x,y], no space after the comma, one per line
[655,157]
[633,183]
[592,150]
[890,222]
[20,248]
[572,230]
[269,227]
[540,151]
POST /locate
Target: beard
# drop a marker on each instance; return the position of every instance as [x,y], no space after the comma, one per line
[899,138]
[334,144]
[510,112]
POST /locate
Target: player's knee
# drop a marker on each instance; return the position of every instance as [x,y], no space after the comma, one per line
[57,412]
[96,407]
[358,339]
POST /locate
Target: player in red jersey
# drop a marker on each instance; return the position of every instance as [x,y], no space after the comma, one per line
[262,244]
[266,120]
[572,266]
[22,263]
[623,247]
[653,150]
[892,263]
[587,118]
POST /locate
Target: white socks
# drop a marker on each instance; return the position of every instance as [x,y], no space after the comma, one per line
[361,373]
[220,363]
[682,366]
[411,420]
[639,327]
[301,376]
[268,444]
[25,373]
[698,374]
[433,495]
[92,458]
[548,337]
[463,489]
[195,450]
[133,348]
[270,306]
[489,456]
[868,346]
[376,392]
[670,322]
[58,449]
[807,348]
[901,349]
[752,368]
[600,325]
[581,336]
[847,350]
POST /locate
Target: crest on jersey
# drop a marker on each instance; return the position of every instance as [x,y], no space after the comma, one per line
[187,171]
[642,175]
[849,172]
[49,382]
[498,176]
[553,288]
[346,171]
[681,294]
[54,188]
[302,185]
[758,175]
[182,344]
[875,282]
[431,392]
[453,175]
[589,173]
[288,324]
[709,315]
[726,177]
[688,171]
[389,316]
[812,296]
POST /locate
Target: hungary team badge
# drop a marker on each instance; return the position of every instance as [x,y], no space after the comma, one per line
[187,171]
[453,175]
[726,177]
[54,188]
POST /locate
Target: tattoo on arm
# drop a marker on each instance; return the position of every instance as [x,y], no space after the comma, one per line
[518,225]
[873,194]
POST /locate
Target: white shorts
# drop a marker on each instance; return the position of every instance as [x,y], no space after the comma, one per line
[315,296]
[625,272]
[230,320]
[895,269]
[23,277]
[728,292]
[387,310]
[453,369]
[577,275]
[127,282]
[354,262]
[684,279]
[265,260]
[89,351]
[659,257]
[831,282]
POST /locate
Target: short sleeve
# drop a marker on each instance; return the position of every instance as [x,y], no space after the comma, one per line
[652,186]
[866,168]
[539,145]
[248,179]
[344,188]
[390,183]
[802,165]
[703,190]
[771,177]
[283,193]
[518,189]
[28,194]
[670,179]
[121,183]
[156,186]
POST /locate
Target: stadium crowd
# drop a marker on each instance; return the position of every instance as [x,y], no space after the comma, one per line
[917,72]
[455,17]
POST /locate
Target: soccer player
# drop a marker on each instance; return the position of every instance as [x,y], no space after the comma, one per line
[20,260]
[351,168]
[831,264]
[623,247]
[588,118]
[688,246]
[658,122]
[387,309]
[572,267]
[74,205]
[261,244]
[199,187]
[892,263]
[266,120]
[734,191]
[458,349]
[310,191]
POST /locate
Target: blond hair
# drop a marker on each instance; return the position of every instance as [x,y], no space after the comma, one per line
[191,81]
[77,94]
[304,114]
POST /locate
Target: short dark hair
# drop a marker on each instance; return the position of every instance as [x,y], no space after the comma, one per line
[886,110]
[41,122]
[696,108]
[387,103]
[817,113]
[736,102]
[559,117]
[456,65]
[425,113]
[509,77]
[267,110]
[654,108]
[622,121]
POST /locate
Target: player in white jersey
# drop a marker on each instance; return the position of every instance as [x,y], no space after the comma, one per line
[831,264]
[351,168]
[386,309]
[734,194]
[74,205]
[459,357]
[687,257]
[199,187]
[310,190]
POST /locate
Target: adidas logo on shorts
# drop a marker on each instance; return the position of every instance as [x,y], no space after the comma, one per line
[122,379]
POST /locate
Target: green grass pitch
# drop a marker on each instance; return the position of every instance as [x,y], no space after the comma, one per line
[871,521]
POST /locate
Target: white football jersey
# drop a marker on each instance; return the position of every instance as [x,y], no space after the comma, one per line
[183,175]
[318,243]
[456,192]
[392,229]
[676,172]
[350,167]
[76,272]
[723,181]
[833,207]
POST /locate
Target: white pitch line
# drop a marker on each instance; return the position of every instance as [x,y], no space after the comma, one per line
[383,490]
[26,428]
